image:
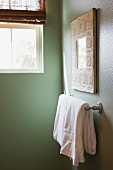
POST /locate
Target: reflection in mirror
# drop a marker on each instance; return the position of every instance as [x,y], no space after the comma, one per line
[81,53]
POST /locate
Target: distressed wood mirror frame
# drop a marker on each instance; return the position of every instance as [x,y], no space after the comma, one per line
[83,43]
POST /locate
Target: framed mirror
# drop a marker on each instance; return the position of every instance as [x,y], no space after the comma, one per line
[83,43]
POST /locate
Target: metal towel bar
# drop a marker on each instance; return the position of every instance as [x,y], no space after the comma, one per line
[98,107]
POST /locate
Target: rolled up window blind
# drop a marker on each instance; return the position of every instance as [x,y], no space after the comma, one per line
[23,11]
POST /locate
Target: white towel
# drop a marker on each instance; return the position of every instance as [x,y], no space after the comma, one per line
[74,128]
[59,119]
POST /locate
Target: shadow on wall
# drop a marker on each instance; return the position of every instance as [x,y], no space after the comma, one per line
[106,143]
[66,163]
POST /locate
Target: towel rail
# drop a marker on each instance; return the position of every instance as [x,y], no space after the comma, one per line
[98,107]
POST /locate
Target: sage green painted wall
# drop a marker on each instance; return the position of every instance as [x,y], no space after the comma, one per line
[103,160]
[28,105]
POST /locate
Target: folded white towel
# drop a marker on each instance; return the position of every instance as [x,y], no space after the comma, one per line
[74,128]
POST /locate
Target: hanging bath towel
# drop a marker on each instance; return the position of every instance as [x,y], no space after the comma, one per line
[74,128]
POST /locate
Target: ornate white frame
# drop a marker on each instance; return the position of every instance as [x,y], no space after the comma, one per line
[84,26]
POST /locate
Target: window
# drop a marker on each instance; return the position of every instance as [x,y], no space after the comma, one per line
[21,48]
[21,45]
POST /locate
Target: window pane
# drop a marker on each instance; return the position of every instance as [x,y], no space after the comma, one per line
[4,4]
[5,48]
[24,48]
[21,49]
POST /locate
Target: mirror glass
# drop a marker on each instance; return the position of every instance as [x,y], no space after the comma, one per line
[81,52]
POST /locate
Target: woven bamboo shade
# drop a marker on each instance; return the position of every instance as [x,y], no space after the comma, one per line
[23,11]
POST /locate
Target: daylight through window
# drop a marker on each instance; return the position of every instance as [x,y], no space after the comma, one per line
[21,49]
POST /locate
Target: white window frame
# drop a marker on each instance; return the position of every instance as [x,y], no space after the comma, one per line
[39,48]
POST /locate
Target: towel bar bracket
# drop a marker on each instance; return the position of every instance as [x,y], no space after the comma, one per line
[98,107]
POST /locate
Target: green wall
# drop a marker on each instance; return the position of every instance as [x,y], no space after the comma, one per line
[28,101]
[103,160]
[28,105]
